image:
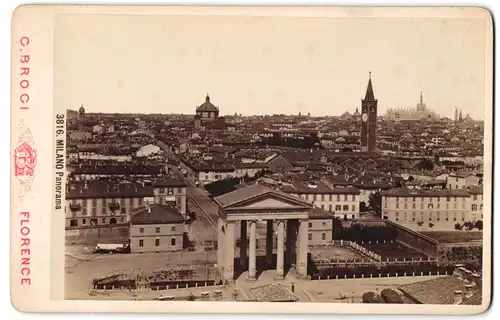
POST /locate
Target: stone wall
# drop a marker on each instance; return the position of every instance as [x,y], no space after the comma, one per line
[95,235]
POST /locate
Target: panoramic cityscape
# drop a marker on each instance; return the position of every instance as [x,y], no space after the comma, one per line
[213,205]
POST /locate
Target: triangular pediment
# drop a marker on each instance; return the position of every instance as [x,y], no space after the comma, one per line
[271,200]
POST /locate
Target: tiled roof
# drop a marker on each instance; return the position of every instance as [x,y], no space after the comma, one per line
[101,189]
[318,213]
[157,214]
[405,192]
[436,291]
[169,182]
[273,293]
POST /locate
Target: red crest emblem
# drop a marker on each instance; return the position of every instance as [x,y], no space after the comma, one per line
[25,160]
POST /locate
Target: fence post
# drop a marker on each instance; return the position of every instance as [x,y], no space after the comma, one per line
[104,288]
[371,275]
[328,277]
[362,276]
[196,285]
[422,273]
[319,277]
[396,274]
[405,274]
[379,275]
[354,276]
[112,288]
[341,243]
[337,276]
[446,272]
[430,273]
[177,286]
[438,272]
[345,275]
[388,274]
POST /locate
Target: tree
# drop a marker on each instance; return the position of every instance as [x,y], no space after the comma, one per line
[468,225]
[479,225]
[431,225]
[375,201]
[420,224]
[458,226]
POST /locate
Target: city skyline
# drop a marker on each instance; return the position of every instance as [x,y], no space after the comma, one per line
[252,75]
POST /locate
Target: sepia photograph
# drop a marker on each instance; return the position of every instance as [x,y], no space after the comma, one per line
[321,158]
[333,160]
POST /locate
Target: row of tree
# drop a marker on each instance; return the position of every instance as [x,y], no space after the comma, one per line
[360,232]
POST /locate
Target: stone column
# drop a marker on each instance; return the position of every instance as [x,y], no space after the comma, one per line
[291,239]
[243,244]
[220,246]
[302,246]
[269,243]
[229,252]
[253,251]
[280,264]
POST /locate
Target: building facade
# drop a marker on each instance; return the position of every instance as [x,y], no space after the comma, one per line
[157,228]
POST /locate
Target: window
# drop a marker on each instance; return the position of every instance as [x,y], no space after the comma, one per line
[84,221]
[103,220]
[406,205]
[157,242]
[353,216]
[353,197]
[438,205]
[413,205]
[122,219]
[414,200]
[406,199]
[474,197]
[397,214]
[310,236]
[84,211]
[157,230]
[397,199]
[310,224]
[123,210]
[353,208]
[338,207]
[430,206]
[94,211]
[447,199]
[481,207]
[338,197]
[397,205]
[385,204]
[405,217]
[141,201]
[474,207]
[162,190]
[141,230]
[345,197]
[421,205]
[322,197]
[330,197]
[141,243]
[173,229]
[170,191]
[315,197]
[103,210]
[345,207]
[330,208]
[323,224]
[73,223]
[322,207]
[323,236]
[172,241]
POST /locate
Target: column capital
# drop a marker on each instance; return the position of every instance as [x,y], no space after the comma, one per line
[278,221]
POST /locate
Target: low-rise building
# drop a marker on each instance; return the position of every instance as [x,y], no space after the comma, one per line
[441,208]
[157,228]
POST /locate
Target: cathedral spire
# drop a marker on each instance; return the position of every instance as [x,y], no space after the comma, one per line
[369,90]
[421,97]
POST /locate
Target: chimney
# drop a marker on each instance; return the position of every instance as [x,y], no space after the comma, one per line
[457,298]
[468,290]
[478,280]
[458,271]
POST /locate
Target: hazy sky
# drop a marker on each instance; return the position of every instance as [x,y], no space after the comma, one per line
[262,65]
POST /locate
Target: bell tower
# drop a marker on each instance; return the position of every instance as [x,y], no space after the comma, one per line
[369,118]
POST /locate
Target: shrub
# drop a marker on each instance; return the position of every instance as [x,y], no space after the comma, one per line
[391,296]
[371,297]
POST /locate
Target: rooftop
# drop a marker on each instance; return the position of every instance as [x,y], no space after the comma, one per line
[405,192]
[157,214]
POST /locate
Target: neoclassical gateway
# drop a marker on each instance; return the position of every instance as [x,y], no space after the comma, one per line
[244,208]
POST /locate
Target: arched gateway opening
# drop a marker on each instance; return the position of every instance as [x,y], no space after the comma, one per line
[242,212]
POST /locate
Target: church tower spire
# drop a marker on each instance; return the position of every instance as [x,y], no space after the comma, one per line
[369,96]
[421,97]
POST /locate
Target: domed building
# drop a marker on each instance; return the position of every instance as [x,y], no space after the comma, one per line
[207,111]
